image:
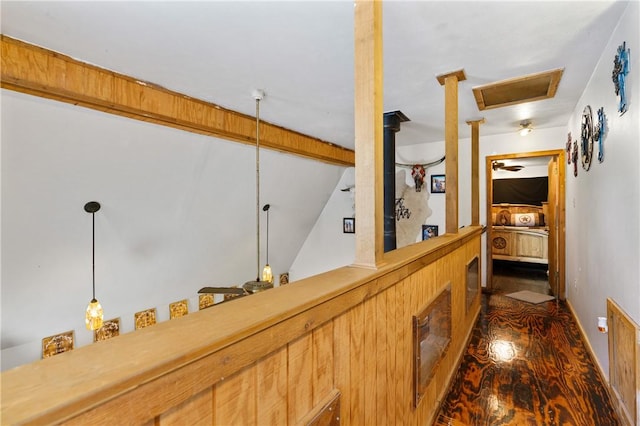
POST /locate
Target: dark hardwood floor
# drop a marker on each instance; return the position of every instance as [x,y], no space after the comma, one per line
[510,277]
[526,364]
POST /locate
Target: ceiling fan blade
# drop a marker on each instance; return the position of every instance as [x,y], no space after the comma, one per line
[222,290]
[513,168]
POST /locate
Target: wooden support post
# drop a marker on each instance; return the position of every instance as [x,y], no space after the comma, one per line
[368,116]
[450,83]
[475,170]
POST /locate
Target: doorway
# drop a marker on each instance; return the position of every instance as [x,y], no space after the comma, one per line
[535,244]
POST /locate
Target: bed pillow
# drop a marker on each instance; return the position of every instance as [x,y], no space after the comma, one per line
[525,219]
[502,218]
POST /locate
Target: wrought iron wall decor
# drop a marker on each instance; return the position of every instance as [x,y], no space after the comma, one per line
[568,148]
[599,133]
[402,212]
[619,75]
[586,138]
[205,301]
[110,328]
[144,318]
[58,343]
[178,309]
[574,158]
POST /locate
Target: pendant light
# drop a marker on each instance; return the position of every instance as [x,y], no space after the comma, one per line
[257,285]
[94,314]
[267,274]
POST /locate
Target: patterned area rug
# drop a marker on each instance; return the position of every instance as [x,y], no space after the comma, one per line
[530,296]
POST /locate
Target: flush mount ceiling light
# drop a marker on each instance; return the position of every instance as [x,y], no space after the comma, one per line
[525,128]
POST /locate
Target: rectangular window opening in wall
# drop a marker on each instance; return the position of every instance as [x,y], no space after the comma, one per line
[431,336]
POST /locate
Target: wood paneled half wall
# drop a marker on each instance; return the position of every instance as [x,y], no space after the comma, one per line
[274,358]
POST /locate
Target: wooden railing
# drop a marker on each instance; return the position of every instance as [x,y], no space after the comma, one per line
[271,358]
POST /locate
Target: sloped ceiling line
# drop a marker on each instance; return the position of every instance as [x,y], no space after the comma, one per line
[36,71]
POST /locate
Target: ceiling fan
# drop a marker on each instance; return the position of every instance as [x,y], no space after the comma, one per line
[498,165]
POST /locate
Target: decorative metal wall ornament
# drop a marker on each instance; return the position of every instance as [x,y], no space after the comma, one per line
[144,318]
[574,158]
[568,148]
[57,344]
[110,328]
[619,74]
[599,132]
[178,309]
[586,138]
[205,301]
[402,212]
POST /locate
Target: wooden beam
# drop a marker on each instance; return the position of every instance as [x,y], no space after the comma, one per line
[450,82]
[369,133]
[475,170]
[40,72]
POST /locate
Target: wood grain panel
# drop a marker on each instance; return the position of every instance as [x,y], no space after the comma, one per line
[235,399]
[197,411]
[272,385]
[358,392]
[300,378]
[40,72]
[323,362]
[342,367]
[370,363]
[624,361]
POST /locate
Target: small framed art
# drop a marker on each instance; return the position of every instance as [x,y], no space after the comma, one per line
[437,184]
[57,344]
[349,225]
[429,231]
[110,328]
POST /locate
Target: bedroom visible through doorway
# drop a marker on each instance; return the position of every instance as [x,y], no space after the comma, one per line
[525,211]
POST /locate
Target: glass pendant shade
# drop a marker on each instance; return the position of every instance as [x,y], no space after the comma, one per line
[94,315]
[267,275]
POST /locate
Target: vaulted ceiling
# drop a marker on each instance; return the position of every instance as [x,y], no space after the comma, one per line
[301,54]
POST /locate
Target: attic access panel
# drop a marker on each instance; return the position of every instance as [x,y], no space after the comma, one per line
[518,90]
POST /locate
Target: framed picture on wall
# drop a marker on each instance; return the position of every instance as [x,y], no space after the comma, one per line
[437,184]
[429,231]
[349,225]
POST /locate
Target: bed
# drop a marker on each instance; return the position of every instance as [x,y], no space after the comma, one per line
[519,233]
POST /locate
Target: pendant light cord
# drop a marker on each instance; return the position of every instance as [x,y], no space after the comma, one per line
[267,236]
[93,253]
[258,189]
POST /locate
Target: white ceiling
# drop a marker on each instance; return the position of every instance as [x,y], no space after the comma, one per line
[301,54]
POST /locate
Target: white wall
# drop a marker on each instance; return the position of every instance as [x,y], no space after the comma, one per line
[327,247]
[603,204]
[178,213]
